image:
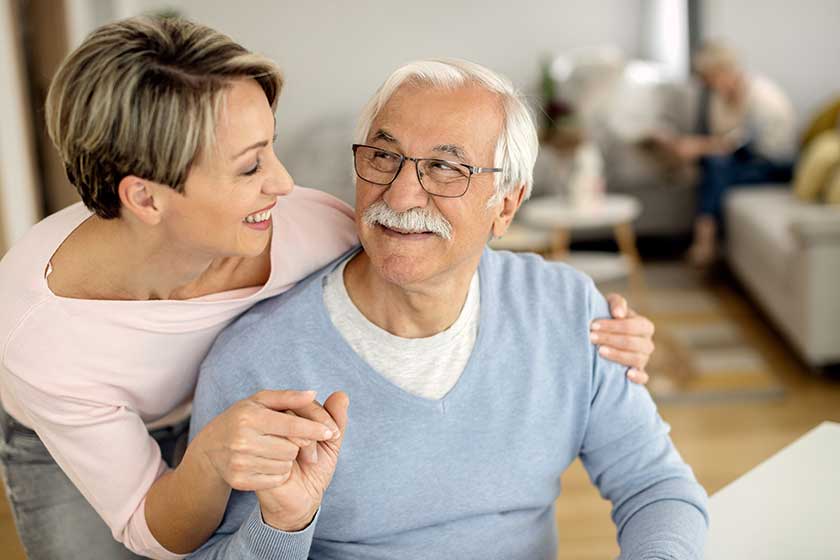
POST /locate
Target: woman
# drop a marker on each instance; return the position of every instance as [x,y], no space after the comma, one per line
[166,130]
[746,136]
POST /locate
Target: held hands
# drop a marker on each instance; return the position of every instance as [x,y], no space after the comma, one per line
[255,444]
[627,338]
[290,506]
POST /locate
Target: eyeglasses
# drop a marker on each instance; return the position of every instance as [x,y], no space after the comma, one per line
[438,177]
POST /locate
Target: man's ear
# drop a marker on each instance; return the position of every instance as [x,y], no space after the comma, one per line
[142,198]
[509,205]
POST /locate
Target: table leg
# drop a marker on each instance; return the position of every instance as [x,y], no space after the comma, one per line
[626,239]
[560,244]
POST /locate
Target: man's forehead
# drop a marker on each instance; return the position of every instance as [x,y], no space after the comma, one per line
[457,121]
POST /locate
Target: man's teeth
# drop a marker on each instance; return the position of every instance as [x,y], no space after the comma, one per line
[258,217]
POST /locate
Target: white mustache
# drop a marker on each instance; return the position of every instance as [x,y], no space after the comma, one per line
[416,220]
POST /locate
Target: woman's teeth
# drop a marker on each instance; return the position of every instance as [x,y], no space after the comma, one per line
[258,217]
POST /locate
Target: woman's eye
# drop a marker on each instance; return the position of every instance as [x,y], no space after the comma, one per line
[255,169]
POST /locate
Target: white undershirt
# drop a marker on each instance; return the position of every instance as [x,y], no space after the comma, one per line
[426,367]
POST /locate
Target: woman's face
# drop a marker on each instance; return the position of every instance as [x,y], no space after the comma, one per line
[230,190]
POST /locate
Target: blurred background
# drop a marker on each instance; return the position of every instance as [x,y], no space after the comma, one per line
[747,348]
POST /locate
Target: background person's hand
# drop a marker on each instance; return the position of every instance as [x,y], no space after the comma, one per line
[627,338]
[254,443]
[291,505]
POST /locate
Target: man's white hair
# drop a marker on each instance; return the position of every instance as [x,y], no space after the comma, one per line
[517,146]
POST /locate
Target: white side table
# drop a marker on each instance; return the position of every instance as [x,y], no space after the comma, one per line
[554,213]
[523,238]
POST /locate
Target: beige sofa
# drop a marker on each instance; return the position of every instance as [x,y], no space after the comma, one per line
[787,253]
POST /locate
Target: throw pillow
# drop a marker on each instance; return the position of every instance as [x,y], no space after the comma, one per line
[817,164]
[832,189]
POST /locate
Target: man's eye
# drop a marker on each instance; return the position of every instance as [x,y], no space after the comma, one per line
[442,166]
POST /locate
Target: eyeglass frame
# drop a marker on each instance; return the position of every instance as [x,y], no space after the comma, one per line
[471,168]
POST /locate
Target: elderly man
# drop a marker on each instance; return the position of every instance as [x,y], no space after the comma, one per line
[473,379]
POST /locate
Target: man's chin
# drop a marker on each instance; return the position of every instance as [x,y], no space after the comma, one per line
[403,269]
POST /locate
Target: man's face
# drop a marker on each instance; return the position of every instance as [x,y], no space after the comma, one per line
[461,126]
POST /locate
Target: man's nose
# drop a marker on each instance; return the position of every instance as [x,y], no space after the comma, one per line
[405,191]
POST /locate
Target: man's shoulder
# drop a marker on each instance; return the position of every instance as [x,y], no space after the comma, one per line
[530,276]
[272,323]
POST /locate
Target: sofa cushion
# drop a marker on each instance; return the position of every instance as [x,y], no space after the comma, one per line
[761,219]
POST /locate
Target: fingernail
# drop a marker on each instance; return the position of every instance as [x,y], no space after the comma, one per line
[328,434]
[313,455]
[594,337]
[596,326]
[310,394]
[604,351]
[632,372]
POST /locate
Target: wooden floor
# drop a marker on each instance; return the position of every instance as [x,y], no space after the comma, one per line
[721,441]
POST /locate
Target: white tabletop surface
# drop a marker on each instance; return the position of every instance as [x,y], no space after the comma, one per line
[787,508]
[556,212]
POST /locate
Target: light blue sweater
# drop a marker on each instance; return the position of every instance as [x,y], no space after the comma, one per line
[476,473]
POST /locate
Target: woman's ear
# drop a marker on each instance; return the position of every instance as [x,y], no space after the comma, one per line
[142,198]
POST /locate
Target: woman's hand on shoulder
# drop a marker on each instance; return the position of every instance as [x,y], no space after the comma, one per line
[627,338]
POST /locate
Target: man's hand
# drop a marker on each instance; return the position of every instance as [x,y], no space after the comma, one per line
[291,505]
[627,338]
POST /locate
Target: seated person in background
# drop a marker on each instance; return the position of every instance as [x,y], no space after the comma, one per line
[746,135]
[473,380]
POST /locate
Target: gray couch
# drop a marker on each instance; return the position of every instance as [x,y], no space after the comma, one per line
[787,253]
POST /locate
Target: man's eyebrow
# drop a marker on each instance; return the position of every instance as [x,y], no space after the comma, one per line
[456,151]
[385,136]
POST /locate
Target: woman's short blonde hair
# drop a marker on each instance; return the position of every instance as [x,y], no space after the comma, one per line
[141,97]
[715,55]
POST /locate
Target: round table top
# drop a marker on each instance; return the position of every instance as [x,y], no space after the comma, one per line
[556,212]
[522,238]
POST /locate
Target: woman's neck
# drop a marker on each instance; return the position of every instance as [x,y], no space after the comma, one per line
[113,259]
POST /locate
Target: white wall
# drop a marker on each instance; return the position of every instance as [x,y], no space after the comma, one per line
[19,201]
[797,44]
[335,53]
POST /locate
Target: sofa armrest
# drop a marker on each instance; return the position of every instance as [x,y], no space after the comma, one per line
[819,225]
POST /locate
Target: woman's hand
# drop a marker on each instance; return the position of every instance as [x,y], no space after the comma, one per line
[254,444]
[627,338]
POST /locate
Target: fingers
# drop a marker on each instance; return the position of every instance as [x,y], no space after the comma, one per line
[281,424]
[618,305]
[633,326]
[337,405]
[637,376]
[635,344]
[315,412]
[283,400]
[629,359]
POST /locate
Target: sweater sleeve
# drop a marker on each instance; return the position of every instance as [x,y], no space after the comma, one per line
[658,506]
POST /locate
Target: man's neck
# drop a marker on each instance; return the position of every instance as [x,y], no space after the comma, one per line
[414,311]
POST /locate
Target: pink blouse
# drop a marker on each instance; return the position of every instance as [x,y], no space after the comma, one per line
[91,376]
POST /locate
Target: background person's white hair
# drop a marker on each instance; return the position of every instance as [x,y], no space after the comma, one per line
[517,146]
